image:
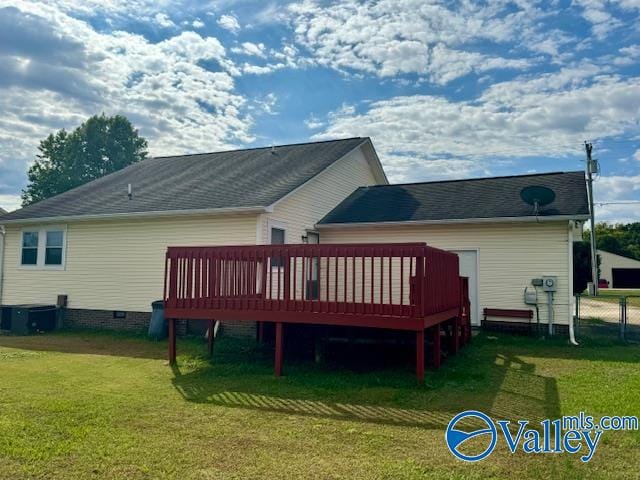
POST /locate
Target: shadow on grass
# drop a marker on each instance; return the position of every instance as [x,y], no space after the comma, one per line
[88,342]
[502,385]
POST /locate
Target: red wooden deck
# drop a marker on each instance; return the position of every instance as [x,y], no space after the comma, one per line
[396,286]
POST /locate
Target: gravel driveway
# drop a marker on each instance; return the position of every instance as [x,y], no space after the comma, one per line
[607,311]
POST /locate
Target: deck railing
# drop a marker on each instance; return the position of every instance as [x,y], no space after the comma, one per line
[407,286]
[404,280]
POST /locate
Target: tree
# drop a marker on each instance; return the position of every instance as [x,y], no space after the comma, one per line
[621,239]
[582,266]
[99,146]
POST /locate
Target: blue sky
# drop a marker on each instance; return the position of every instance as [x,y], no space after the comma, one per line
[444,89]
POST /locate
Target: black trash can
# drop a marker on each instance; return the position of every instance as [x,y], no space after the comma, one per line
[158,324]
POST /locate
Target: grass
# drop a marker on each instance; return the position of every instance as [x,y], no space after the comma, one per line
[611,295]
[90,405]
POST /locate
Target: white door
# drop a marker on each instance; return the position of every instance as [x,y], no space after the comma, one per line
[469,268]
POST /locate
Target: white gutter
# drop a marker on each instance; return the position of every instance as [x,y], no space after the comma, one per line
[572,334]
[551,218]
[137,215]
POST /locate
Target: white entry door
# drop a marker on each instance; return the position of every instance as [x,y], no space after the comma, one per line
[469,268]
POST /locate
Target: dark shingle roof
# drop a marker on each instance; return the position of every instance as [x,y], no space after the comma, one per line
[461,199]
[254,177]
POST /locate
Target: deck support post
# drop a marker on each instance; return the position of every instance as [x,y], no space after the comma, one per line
[437,354]
[467,323]
[172,340]
[260,332]
[420,356]
[211,337]
[455,334]
[278,354]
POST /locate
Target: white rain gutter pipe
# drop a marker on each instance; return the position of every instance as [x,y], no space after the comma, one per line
[2,239]
[572,333]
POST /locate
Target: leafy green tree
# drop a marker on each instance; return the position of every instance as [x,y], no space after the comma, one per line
[622,239]
[99,146]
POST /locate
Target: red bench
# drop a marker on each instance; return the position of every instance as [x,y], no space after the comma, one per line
[508,313]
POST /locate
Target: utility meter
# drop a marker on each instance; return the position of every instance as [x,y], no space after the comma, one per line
[549,283]
[530,296]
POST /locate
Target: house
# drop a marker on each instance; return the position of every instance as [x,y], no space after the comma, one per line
[103,244]
[105,249]
[2,211]
[619,271]
[502,244]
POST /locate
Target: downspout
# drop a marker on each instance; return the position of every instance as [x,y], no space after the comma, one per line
[572,334]
[2,239]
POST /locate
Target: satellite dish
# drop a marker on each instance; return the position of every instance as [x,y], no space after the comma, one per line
[537,196]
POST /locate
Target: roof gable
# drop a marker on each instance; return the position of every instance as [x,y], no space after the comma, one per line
[481,198]
[239,179]
[623,257]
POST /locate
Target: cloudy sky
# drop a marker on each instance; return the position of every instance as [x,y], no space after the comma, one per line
[444,89]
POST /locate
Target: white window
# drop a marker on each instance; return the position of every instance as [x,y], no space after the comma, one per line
[43,247]
[53,247]
[30,248]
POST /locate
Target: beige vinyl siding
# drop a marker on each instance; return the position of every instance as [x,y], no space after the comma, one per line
[303,208]
[115,265]
[509,256]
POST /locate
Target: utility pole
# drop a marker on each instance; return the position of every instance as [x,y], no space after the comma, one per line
[591,169]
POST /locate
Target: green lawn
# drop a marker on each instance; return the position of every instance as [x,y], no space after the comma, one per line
[611,295]
[88,405]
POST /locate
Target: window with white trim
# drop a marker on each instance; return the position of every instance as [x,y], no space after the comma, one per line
[30,248]
[53,247]
[44,247]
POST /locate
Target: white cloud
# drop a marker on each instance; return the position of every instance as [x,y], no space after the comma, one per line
[163,20]
[446,65]
[313,123]
[392,37]
[267,104]
[627,55]
[260,69]
[596,13]
[229,22]
[68,71]
[613,192]
[251,49]
[197,23]
[547,116]
[287,57]
[10,202]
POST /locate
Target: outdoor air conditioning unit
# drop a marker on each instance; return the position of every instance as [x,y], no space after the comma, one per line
[26,319]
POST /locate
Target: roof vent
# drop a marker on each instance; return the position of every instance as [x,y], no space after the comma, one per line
[537,196]
[129,191]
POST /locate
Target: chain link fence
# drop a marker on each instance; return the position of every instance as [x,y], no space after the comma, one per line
[612,316]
